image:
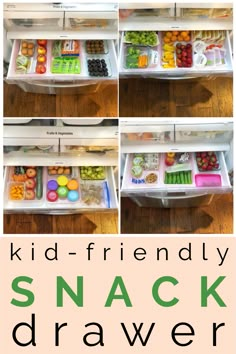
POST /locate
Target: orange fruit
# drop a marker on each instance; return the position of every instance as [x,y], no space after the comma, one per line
[187,38]
[175,33]
[174,38]
[72,185]
[168,34]
[166,40]
[184,34]
[180,38]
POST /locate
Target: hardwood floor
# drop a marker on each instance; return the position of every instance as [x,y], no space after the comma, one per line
[217,218]
[97,223]
[18,103]
[180,98]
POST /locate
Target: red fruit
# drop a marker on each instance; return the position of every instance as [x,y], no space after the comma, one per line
[42,42]
[30,183]
[180,65]
[178,45]
[210,153]
[178,51]
[198,154]
[40,69]
[204,166]
[179,56]
[189,45]
[204,160]
[31,172]
[213,159]
[209,168]
[217,166]
[203,154]
[182,46]
[29,194]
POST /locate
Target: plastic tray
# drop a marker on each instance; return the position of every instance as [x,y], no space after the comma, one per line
[92,42]
[95,194]
[207,171]
[208,180]
[66,65]
[14,184]
[99,57]
[93,169]
[148,177]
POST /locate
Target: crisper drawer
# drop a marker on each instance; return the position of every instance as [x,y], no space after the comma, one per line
[64,80]
[159,188]
[154,65]
[33,21]
[93,195]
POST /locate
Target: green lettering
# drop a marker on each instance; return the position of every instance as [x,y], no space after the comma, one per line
[123,296]
[155,291]
[76,297]
[211,291]
[29,295]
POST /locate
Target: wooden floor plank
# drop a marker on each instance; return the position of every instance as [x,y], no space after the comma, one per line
[216,218]
[177,98]
[102,103]
[100,223]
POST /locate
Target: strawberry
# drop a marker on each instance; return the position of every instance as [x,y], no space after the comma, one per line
[213,159]
[204,160]
[203,154]
[217,166]
[209,168]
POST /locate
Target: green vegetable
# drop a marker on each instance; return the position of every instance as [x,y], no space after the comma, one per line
[190,177]
[174,178]
[182,177]
[39,183]
[178,179]
[148,38]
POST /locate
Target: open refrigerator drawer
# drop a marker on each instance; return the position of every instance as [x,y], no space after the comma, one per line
[155,175]
[59,190]
[63,63]
[175,54]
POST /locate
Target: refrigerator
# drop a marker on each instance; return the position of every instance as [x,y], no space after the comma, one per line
[65,166]
[188,40]
[70,31]
[177,147]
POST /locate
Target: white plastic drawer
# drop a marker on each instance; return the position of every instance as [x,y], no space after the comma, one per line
[43,207]
[177,73]
[162,190]
[65,80]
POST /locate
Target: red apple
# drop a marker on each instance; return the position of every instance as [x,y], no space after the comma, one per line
[42,50]
[42,42]
[29,194]
[30,183]
[41,58]
[31,172]
[40,69]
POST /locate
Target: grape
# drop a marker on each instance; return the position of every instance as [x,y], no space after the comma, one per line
[141,38]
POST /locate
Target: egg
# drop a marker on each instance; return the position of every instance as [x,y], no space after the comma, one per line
[73,196]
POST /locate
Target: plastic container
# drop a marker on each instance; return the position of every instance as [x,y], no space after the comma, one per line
[61,193]
[205,159]
[10,186]
[208,180]
[137,57]
[66,65]
[137,38]
[95,194]
[92,173]
[96,47]
[98,65]
[59,170]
